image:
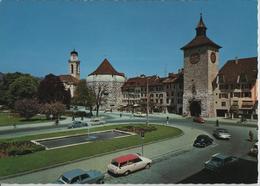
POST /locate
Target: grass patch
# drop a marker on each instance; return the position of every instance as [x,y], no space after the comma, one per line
[7,119]
[43,159]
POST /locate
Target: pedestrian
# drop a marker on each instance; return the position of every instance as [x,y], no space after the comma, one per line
[167,120]
[120,115]
[251,135]
[217,123]
[73,118]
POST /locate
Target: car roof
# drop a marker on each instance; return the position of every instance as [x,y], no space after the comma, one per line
[72,173]
[202,135]
[220,156]
[124,158]
[221,129]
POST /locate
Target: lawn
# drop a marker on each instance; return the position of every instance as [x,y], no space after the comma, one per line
[41,159]
[11,119]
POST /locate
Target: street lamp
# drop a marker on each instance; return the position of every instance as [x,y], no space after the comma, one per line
[147,103]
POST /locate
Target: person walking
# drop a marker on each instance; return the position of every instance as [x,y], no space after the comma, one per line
[167,120]
[217,123]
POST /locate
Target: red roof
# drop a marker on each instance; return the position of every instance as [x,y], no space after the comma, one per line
[125,158]
[200,41]
[106,68]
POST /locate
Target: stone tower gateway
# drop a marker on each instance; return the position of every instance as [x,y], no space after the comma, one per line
[201,58]
[74,63]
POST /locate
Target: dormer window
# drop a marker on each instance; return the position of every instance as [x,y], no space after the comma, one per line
[242,78]
[221,78]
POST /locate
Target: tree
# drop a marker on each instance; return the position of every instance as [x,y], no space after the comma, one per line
[22,88]
[51,90]
[27,108]
[55,109]
[6,80]
[84,96]
[100,93]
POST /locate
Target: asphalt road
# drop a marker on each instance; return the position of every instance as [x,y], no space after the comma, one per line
[188,166]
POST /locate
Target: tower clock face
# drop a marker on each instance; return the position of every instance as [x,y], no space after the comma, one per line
[213,57]
[194,58]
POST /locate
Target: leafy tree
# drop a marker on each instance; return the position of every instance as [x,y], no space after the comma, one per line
[21,88]
[27,108]
[84,96]
[55,109]
[51,90]
[6,81]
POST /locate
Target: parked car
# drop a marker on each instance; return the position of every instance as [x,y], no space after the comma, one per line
[221,133]
[97,121]
[139,114]
[202,141]
[198,120]
[79,176]
[77,124]
[254,150]
[123,165]
[219,161]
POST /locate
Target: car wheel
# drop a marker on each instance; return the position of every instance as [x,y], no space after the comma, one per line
[100,181]
[148,166]
[126,173]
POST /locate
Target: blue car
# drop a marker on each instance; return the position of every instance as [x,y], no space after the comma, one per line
[79,176]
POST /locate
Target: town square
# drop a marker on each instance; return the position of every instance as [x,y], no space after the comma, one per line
[128,92]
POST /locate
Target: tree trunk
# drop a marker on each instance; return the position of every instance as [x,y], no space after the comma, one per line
[97,110]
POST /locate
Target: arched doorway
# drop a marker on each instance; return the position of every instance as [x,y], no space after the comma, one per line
[195,108]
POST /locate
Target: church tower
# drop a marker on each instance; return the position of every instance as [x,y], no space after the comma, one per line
[74,63]
[201,59]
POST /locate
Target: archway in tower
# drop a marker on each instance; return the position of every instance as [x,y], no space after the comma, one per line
[195,108]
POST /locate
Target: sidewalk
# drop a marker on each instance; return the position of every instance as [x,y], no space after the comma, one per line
[152,151]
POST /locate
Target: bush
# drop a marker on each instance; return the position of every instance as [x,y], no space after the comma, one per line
[19,148]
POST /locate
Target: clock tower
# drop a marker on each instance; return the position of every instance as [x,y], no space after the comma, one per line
[74,63]
[201,58]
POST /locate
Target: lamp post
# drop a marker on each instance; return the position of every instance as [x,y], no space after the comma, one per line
[147,102]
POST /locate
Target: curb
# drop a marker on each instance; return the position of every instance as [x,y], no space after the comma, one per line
[86,158]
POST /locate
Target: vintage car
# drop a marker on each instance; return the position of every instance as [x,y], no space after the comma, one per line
[219,161]
[221,133]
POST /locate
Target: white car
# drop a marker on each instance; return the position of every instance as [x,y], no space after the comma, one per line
[123,165]
[221,133]
[139,114]
[97,121]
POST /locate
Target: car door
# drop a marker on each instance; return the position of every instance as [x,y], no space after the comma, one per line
[75,180]
[138,163]
[85,178]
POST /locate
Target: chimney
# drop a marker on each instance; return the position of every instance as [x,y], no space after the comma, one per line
[236,60]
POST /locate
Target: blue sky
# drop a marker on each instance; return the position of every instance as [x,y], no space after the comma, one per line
[137,37]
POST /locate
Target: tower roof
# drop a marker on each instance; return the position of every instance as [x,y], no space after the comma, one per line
[201,38]
[74,52]
[105,68]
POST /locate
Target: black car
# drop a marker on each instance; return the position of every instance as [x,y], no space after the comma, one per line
[203,141]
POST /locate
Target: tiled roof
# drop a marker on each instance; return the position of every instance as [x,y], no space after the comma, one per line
[105,68]
[234,68]
[68,79]
[200,41]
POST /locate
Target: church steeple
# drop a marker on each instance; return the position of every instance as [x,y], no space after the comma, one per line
[201,27]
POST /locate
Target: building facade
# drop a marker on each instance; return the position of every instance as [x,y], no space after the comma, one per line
[164,94]
[107,81]
[235,88]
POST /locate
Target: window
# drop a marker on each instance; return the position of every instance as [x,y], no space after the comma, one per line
[156,100]
[123,164]
[75,180]
[136,160]
[223,104]
[223,95]
[84,176]
[237,94]
[161,101]
[167,100]
[231,94]
[235,102]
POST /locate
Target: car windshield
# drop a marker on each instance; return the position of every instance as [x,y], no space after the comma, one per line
[222,130]
[216,159]
[65,179]
[114,163]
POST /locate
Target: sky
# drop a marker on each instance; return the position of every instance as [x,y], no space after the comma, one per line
[137,36]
